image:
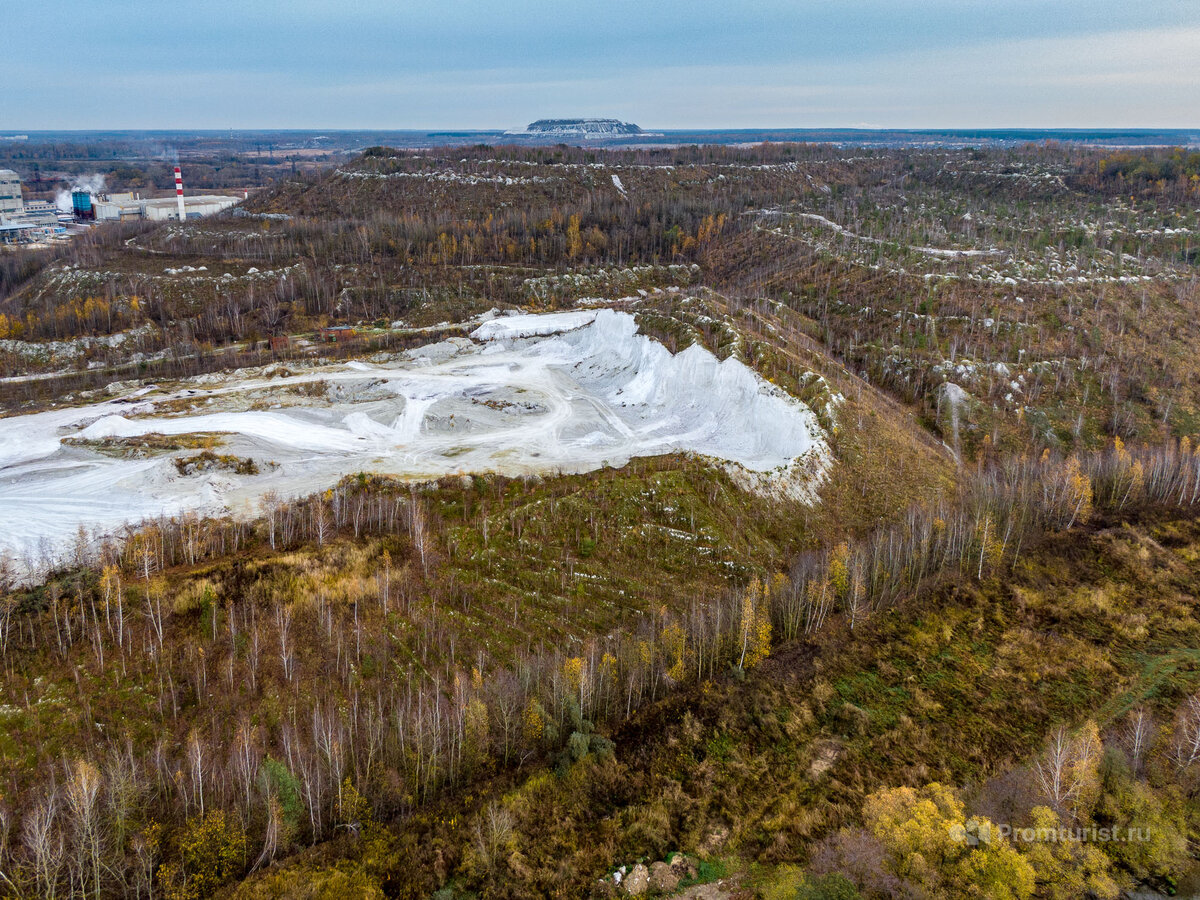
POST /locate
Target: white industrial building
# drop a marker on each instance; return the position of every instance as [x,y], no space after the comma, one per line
[13,208]
[21,222]
[130,207]
[11,203]
[38,212]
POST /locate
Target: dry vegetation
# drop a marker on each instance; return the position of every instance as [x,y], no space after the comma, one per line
[510,687]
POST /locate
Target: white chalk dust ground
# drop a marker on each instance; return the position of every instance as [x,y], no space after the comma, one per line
[565,392]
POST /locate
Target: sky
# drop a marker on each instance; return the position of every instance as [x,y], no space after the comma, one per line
[664,64]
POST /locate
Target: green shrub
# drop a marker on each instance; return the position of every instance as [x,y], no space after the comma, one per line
[280,782]
[789,883]
[827,887]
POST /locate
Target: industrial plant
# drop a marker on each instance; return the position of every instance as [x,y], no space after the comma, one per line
[129,207]
[24,222]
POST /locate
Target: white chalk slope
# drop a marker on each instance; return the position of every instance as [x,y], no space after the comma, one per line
[533,393]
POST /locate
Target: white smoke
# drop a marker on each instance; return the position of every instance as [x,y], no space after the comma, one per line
[165,152]
[93,184]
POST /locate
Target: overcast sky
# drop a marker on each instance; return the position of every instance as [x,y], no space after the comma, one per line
[391,64]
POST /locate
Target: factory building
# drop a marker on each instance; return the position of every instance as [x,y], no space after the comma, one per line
[37,212]
[28,233]
[15,211]
[131,207]
[11,203]
[21,222]
[38,220]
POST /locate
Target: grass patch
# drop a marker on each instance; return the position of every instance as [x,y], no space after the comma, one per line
[146,445]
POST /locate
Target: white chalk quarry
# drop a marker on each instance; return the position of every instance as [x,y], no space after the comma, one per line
[565,392]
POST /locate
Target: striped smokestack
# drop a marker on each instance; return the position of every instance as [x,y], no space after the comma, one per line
[179,194]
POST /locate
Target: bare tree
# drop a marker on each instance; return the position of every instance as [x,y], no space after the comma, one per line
[196,766]
[418,530]
[283,619]
[1185,738]
[491,835]
[245,760]
[272,834]
[44,843]
[82,794]
[322,528]
[8,610]
[5,828]
[1067,770]
[271,508]
[1136,735]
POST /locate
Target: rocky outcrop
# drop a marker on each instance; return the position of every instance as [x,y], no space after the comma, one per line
[663,878]
[638,881]
[657,879]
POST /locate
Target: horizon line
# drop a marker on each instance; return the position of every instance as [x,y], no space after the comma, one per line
[9,132]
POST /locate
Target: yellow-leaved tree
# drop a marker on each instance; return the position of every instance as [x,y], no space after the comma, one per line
[755,634]
[212,851]
[930,841]
[533,722]
[1067,869]
[574,238]
[674,648]
[1078,493]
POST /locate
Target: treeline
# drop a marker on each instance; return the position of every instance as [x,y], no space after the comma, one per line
[1002,507]
[1177,169]
[182,359]
[381,267]
[17,268]
[373,241]
[47,167]
[215,796]
[765,153]
[1090,362]
[574,221]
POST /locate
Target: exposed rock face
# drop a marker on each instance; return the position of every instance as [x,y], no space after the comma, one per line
[663,877]
[638,881]
[578,128]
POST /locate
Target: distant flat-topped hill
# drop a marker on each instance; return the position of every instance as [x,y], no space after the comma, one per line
[577,128]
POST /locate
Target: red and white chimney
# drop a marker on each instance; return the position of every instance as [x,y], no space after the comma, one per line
[179,194]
